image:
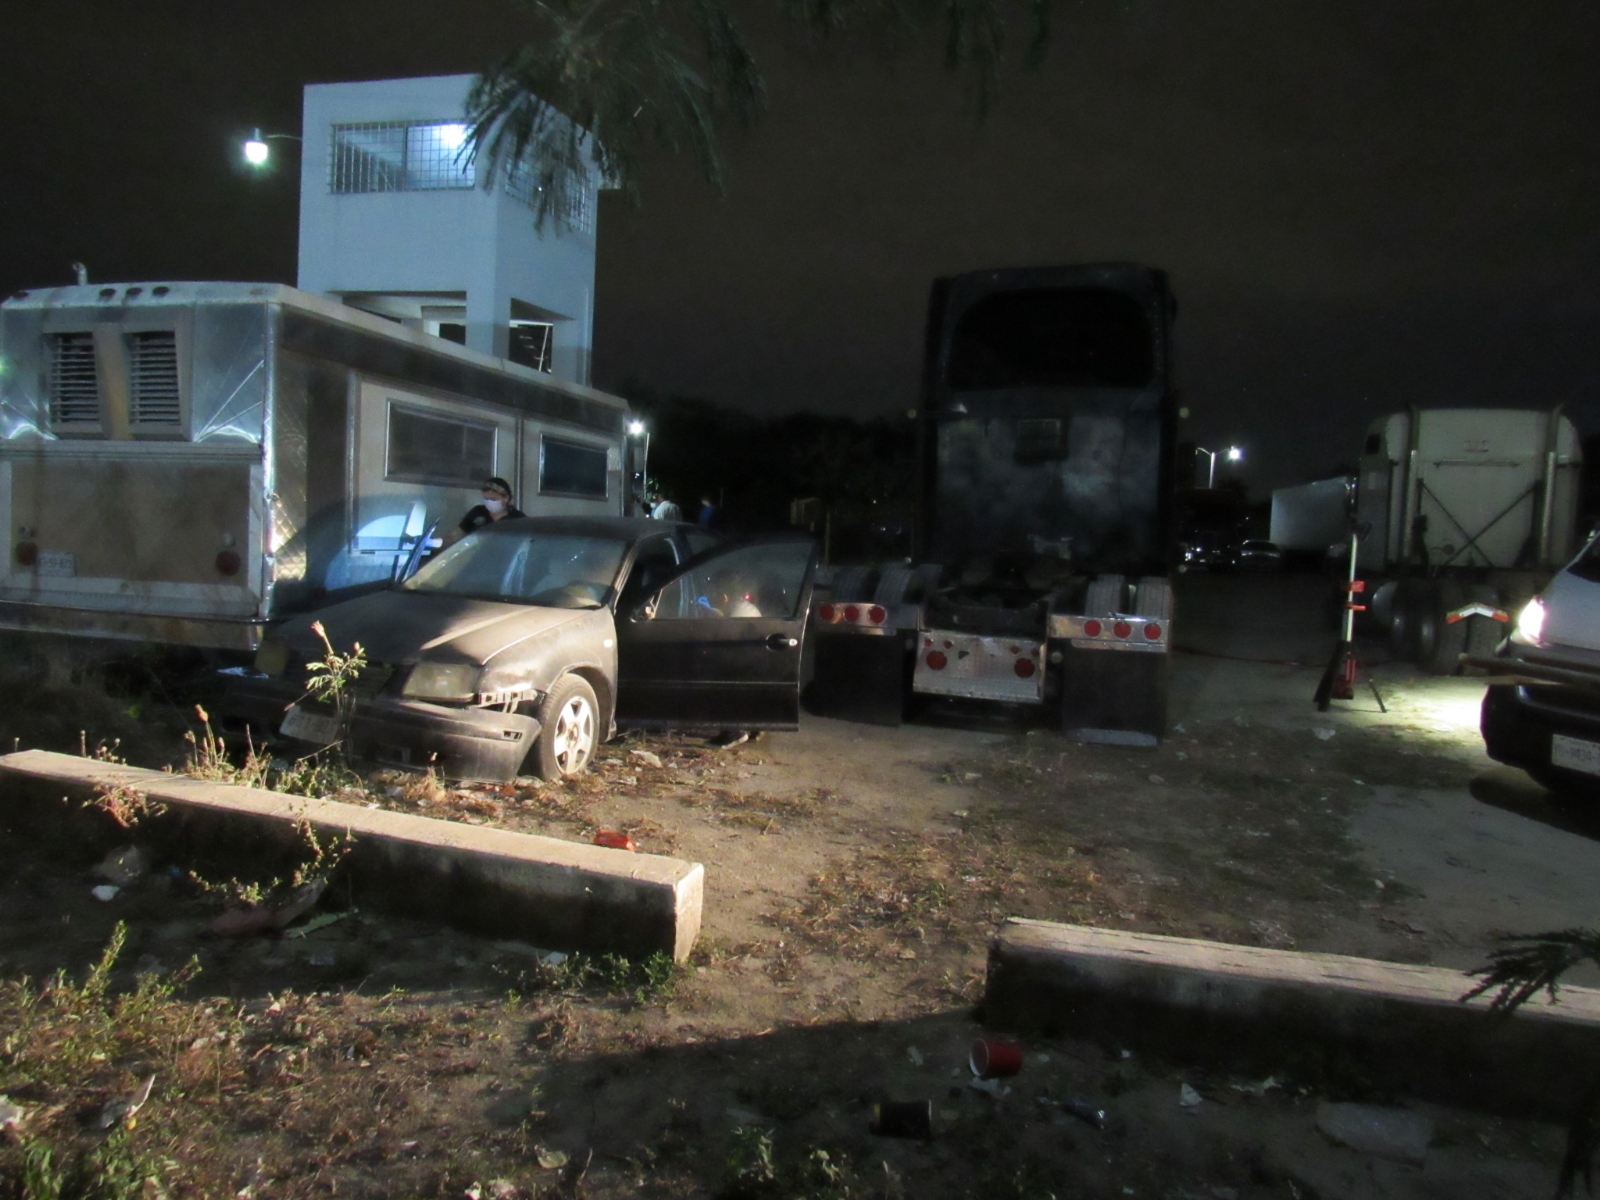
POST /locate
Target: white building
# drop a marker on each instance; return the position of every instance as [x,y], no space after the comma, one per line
[394,219]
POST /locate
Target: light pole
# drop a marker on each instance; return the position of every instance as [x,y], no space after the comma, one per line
[1232,454]
[256,150]
[639,430]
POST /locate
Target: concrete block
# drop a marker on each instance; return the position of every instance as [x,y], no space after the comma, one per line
[556,894]
[1328,1019]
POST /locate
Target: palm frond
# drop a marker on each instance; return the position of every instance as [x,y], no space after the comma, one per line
[1526,964]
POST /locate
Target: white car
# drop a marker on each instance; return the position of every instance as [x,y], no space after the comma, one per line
[1548,723]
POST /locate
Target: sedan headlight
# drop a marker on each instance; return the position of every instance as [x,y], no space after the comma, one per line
[442,681]
[272,658]
[1530,623]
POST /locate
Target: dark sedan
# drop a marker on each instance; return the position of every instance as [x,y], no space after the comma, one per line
[523,646]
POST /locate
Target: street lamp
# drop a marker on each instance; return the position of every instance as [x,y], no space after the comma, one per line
[1232,454]
[637,429]
[256,150]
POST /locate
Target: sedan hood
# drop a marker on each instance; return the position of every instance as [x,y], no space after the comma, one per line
[399,627]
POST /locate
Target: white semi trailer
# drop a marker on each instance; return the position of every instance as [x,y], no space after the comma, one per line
[1458,507]
[1312,519]
[182,463]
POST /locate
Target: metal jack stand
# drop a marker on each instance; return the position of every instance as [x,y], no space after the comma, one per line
[1338,682]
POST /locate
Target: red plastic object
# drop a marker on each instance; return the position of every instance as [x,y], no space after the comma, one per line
[995,1058]
[937,660]
[228,563]
[877,615]
[1122,629]
[27,553]
[1024,668]
[827,613]
[1152,632]
[614,839]
[1091,628]
[852,613]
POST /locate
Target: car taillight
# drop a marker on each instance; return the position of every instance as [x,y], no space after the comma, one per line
[1122,629]
[827,612]
[877,615]
[1091,628]
[1152,632]
[936,660]
[1024,668]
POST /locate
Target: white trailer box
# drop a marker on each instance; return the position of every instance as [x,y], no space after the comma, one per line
[184,462]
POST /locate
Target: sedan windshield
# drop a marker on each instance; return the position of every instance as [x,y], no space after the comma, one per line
[555,570]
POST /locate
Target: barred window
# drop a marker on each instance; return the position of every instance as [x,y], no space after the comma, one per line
[522,183]
[400,156]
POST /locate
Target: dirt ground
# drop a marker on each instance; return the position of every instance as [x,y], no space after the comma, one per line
[854,877]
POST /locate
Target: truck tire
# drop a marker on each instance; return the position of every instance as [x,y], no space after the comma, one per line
[1106,595]
[1152,599]
[569,730]
[1440,643]
[1404,617]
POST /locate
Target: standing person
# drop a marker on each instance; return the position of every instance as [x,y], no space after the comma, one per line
[666,510]
[707,518]
[496,506]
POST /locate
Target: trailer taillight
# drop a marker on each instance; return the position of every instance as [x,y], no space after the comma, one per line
[1091,628]
[852,613]
[1122,629]
[828,613]
[1152,632]
[936,660]
[1024,668]
[877,615]
[27,554]
[228,563]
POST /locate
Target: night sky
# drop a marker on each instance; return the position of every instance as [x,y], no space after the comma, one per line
[1362,205]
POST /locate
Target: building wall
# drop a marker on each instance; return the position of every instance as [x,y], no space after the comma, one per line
[477,241]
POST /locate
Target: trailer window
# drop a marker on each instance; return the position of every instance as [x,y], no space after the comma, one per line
[74,384]
[571,469]
[1052,337]
[429,448]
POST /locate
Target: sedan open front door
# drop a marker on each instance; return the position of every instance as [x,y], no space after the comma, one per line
[718,647]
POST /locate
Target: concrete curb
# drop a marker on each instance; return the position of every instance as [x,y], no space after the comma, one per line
[561,895]
[1328,1019]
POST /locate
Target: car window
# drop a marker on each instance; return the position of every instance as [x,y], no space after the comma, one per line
[654,562]
[761,580]
[558,571]
[699,541]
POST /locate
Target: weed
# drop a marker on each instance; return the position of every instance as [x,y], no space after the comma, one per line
[124,804]
[319,858]
[757,1170]
[329,678]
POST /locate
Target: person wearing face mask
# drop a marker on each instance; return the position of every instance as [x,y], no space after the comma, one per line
[496,506]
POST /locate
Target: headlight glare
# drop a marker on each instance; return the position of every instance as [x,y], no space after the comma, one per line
[1530,623]
[272,658]
[441,681]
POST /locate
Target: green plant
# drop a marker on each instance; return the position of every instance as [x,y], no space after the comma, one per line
[330,677]
[758,1170]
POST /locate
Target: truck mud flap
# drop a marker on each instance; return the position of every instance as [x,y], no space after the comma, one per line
[1115,698]
[858,678]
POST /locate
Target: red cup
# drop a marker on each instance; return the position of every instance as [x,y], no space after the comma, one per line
[995,1058]
[615,839]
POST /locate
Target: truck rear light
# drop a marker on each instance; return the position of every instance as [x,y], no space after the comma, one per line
[876,615]
[827,612]
[1122,629]
[852,613]
[1091,628]
[228,563]
[1024,668]
[937,660]
[27,554]
[1152,632]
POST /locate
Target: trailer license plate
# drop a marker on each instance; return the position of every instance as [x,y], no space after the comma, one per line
[59,563]
[310,726]
[1574,754]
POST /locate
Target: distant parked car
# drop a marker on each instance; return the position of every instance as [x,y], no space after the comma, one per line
[1209,552]
[1254,554]
[526,644]
[1549,723]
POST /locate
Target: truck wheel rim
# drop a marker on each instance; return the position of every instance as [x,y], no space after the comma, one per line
[574,735]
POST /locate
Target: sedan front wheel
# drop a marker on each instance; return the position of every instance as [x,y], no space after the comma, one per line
[569,723]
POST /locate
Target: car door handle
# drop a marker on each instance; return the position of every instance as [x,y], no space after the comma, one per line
[782,641]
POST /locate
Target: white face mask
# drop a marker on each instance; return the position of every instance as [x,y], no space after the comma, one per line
[494,504]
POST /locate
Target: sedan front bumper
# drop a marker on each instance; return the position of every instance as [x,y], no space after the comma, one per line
[477,744]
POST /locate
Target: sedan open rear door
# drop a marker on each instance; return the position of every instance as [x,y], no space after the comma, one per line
[718,647]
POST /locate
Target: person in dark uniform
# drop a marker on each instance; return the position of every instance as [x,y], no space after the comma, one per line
[496,506]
